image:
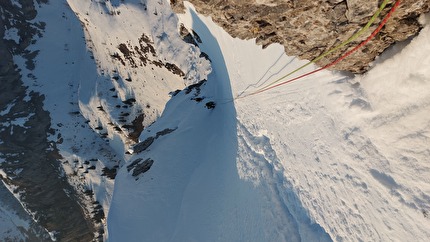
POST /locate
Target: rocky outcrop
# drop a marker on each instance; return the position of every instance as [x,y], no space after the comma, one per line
[142,146]
[307,28]
[139,166]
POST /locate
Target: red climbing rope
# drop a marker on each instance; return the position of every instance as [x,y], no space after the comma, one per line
[374,33]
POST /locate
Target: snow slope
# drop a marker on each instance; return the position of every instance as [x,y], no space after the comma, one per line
[106,68]
[330,157]
[11,223]
[193,191]
[16,224]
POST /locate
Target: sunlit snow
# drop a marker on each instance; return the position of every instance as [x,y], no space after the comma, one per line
[331,157]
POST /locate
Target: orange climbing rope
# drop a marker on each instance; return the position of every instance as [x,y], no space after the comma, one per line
[372,35]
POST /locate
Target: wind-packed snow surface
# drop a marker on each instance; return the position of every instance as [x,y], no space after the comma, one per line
[329,157]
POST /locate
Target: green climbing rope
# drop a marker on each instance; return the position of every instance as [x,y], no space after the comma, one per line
[349,40]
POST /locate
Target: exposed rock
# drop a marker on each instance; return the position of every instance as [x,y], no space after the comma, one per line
[174,93]
[140,167]
[43,190]
[164,132]
[109,173]
[137,127]
[98,213]
[186,35]
[133,164]
[307,28]
[210,105]
[129,101]
[195,87]
[144,54]
[32,232]
[143,145]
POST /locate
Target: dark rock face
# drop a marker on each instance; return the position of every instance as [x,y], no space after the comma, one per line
[143,145]
[34,232]
[139,166]
[210,105]
[30,162]
[307,28]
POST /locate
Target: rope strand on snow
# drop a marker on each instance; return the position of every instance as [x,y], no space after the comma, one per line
[373,34]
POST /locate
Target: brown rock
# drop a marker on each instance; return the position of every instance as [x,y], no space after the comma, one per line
[307,28]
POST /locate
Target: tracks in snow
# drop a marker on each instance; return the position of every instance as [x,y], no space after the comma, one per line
[258,163]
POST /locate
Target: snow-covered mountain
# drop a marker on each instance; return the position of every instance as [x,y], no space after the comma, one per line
[150,135]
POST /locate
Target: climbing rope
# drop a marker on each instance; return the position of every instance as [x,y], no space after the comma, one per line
[355,36]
